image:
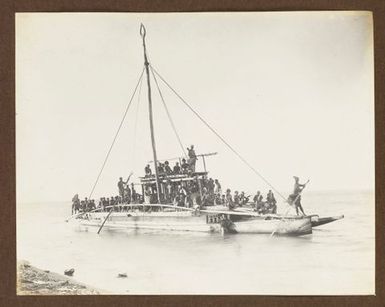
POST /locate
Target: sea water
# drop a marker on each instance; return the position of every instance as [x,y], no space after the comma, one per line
[338,258]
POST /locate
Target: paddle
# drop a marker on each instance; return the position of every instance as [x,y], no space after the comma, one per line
[276,228]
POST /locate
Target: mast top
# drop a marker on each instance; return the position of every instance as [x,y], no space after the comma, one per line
[142,31]
[143,35]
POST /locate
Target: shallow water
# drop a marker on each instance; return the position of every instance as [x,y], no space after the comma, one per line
[338,258]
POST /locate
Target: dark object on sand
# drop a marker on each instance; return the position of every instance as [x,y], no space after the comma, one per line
[122,275]
[46,271]
[69,272]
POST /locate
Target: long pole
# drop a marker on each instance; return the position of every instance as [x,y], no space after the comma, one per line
[146,64]
[105,220]
[204,163]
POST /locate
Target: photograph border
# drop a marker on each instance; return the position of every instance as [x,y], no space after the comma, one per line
[8,295]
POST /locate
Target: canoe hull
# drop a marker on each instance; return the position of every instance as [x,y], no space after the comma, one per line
[287,227]
[318,221]
[188,222]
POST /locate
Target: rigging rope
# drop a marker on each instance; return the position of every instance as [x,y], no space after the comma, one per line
[116,135]
[218,135]
[133,158]
[168,113]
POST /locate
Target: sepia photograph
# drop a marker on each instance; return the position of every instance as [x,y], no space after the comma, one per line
[227,153]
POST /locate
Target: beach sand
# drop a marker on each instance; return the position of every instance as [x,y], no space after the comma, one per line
[34,281]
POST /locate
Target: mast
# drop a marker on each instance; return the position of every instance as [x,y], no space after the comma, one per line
[143,35]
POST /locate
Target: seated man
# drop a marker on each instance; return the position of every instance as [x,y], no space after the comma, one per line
[100,204]
[218,188]
[182,199]
[272,201]
[266,208]
[107,206]
[92,204]
[205,197]
[167,168]
[274,208]
[217,200]
[185,166]
[223,199]
[260,204]
[176,169]
[160,169]
[147,170]
[255,199]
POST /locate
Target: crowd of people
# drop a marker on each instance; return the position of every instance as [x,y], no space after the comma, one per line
[183,167]
[194,191]
[185,193]
[190,194]
[104,203]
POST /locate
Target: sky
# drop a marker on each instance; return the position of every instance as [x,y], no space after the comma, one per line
[292,92]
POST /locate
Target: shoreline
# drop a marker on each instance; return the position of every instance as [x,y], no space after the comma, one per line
[34,281]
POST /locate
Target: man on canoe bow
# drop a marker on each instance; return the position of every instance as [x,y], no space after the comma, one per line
[295,197]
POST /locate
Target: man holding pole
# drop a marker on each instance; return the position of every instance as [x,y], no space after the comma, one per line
[295,198]
[122,185]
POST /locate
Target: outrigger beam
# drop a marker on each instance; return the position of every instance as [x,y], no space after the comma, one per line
[146,64]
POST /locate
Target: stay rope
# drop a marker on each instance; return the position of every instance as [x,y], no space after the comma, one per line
[116,134]
[218,135]
[167,111]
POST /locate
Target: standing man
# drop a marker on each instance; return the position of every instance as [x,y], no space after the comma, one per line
[133,193]
[168,190]
[127,194]
[295,197]
[236,199]
[273,202]
[211,186]
[229,199]
[122,184]
[192,158]
[75,204]
[255,199]
[271,199]
[218,188]
[147,195]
